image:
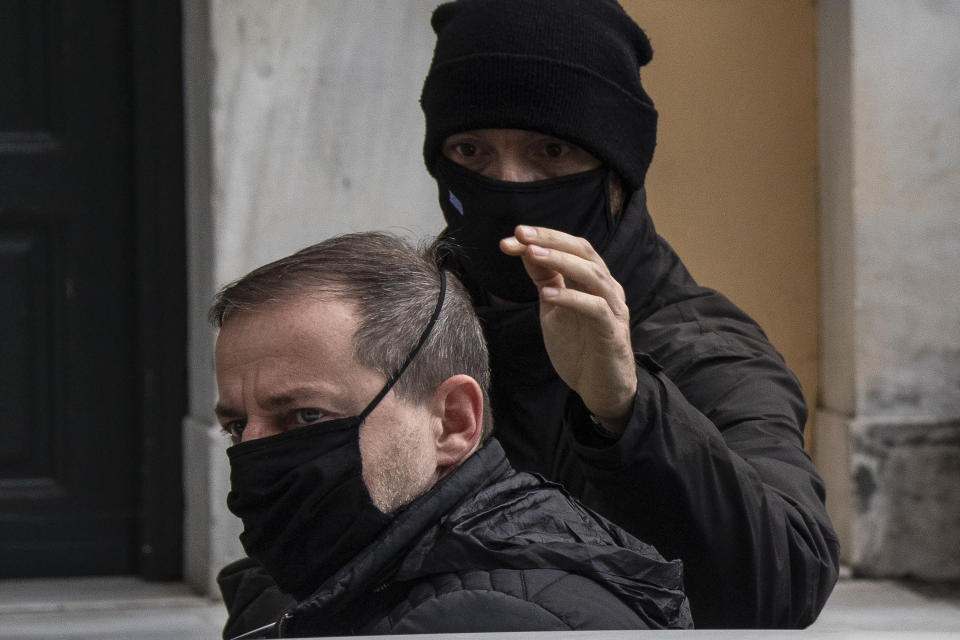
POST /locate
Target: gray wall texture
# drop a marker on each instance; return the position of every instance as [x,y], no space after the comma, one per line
[890,160]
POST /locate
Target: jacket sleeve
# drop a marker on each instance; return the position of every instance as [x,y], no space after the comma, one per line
[711,469]
[251,597]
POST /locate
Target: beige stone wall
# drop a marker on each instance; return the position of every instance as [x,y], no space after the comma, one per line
[733,185]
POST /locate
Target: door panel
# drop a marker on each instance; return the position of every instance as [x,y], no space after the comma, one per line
[68,401]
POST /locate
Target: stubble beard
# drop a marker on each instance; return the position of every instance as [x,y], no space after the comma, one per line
[403,474]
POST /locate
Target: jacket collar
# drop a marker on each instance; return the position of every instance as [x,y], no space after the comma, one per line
[381,561]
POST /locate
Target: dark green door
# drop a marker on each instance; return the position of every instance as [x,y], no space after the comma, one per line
[70,388]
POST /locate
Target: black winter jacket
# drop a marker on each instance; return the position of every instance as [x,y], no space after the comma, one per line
[711,468]
[487,549]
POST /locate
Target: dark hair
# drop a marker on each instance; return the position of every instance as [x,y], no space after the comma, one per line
[395,289]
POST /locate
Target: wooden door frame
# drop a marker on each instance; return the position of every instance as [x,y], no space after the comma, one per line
[158,154]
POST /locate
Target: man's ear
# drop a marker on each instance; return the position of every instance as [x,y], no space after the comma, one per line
[459,402]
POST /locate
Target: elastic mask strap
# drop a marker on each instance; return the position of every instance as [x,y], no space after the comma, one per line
[413,352]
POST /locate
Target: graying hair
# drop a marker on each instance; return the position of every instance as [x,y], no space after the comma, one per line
[394,288]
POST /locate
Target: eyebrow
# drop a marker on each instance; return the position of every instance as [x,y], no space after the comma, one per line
[224,412]
[285,398]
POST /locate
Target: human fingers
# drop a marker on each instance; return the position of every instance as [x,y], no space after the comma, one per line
[590,348]
[525,235]
[540,274]
[556,240]
[589,276]
[548,253]
[512,247]
[594,308]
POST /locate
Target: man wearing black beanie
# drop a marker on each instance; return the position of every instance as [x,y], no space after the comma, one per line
[655,401]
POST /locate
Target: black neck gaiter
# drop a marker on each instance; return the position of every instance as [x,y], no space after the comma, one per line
[480,211]
[305,508]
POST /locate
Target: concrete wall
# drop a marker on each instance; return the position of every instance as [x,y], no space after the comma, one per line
[890,152]
[317,125]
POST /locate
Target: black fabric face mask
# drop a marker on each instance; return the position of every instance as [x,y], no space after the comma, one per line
[481,211]
[305,508]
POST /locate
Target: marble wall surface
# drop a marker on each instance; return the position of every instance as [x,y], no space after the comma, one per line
[890,155]
[317,124]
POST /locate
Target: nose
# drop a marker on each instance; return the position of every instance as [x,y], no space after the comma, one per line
[256,429]
[510,167]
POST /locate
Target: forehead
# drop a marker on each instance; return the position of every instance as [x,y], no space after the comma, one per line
[312,328]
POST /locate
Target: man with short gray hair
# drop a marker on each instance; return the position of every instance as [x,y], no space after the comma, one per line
[353,381]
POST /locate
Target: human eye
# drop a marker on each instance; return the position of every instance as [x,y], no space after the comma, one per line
[555,149]
[551,148]
[234,429]
[558,158]
[306,415]
[465,149]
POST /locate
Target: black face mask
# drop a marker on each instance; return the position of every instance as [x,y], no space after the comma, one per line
[305,508]
[481,211]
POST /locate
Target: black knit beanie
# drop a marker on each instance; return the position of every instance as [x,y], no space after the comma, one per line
[567,68]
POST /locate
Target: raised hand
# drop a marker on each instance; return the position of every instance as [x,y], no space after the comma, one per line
[584,317]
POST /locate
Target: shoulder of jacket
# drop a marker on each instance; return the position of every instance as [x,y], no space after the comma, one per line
[507,600]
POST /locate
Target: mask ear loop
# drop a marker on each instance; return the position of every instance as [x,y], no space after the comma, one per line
[413,352]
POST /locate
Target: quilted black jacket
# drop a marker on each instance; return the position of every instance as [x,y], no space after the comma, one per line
[711,468]
[487,549]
